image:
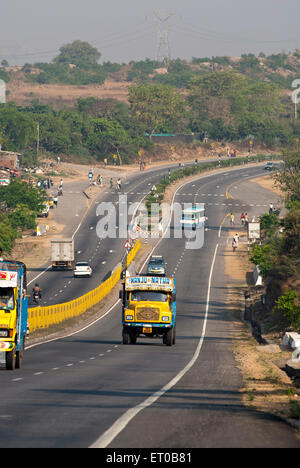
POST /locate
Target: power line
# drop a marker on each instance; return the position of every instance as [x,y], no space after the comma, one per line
[108,40]
[209,34]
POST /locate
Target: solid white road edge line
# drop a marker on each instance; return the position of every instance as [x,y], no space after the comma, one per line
[108,436]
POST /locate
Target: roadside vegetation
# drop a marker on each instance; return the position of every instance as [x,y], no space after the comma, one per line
[278,257]
[228,100]
[20,205]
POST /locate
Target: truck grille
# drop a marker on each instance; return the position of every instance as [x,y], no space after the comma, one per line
[147,313]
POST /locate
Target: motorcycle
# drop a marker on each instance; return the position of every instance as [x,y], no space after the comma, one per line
[36,296]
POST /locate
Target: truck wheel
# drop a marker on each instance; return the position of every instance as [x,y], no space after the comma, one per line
[169,337]
[133,339]
[174,334]
[126,337]
[11,360]
[19,356]
[19,359]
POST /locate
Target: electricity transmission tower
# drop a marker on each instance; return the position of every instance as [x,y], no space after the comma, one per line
[163,52]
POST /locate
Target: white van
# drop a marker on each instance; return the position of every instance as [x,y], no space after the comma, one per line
[193,217]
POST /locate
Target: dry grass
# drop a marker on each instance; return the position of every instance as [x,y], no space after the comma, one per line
[60,95]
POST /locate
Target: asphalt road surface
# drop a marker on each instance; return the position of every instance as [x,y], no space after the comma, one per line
[90,390]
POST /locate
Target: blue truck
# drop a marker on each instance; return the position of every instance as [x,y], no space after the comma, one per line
[13,312]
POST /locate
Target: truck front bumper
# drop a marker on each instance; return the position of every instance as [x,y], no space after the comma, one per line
[148,329]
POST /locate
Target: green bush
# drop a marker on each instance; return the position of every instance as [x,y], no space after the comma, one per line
[294,409]
[289,305]
[7,234]
[22,218]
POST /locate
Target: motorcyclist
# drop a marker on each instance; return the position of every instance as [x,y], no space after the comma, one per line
[36,292]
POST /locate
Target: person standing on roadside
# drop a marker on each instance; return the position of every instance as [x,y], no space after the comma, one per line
[236,238]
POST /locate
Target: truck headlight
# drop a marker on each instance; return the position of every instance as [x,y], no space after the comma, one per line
[129,317]
[165,318]
[4,333]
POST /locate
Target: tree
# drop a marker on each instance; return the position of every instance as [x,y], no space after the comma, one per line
[7,234]
[159,108]
[79,53]
[22,217]
[288,178]
[289,305]
[108,136]
[265,256]
[246,107]
[19,192]
[18,129]
[291,236]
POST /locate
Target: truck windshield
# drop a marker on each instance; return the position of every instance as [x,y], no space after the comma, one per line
[188,216]
[156,296]
[7,298]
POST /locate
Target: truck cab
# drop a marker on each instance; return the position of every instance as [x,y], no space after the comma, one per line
[13,312]
[149,309]
[193,217]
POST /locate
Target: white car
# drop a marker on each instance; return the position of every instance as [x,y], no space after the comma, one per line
[82,269]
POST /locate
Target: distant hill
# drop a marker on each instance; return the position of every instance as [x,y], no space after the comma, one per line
[62,84]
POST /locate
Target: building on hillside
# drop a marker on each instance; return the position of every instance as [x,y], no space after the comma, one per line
[9,160]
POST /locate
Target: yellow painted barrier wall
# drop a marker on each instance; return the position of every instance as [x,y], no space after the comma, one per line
[43,317]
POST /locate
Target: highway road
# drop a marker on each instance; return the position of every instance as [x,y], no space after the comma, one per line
[102,254]
[89,390]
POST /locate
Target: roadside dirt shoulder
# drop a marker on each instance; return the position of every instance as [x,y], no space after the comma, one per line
[266,387]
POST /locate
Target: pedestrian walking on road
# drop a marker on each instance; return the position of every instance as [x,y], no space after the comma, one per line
[236,239]
[231,219]
[243,218]
[271,208]
[234,245]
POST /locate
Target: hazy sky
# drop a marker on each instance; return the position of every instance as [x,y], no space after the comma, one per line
[123,30]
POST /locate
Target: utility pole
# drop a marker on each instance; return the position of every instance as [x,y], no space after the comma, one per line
[38,140]
[163,52]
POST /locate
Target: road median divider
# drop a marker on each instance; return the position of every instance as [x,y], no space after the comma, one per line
[43,317]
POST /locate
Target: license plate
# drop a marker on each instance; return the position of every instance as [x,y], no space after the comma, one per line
[147,329]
